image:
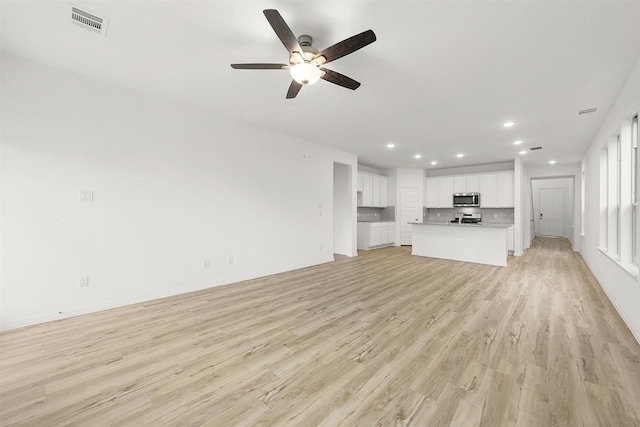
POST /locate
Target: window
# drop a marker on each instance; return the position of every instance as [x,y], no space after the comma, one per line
[617,202]
[635,193]
[583,203]
[620,196]
[613,197]
[604,198]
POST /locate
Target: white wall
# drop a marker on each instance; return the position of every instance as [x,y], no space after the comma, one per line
[552,171]
[174,185]
[622,288]
[566,184]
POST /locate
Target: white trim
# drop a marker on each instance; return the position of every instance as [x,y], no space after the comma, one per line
[77,311]
[630,268]
[636,334]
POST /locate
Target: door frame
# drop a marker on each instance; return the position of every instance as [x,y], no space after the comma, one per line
[561,208]
[572,196]
[399,216]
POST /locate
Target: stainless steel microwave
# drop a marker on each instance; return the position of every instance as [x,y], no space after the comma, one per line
[466,200]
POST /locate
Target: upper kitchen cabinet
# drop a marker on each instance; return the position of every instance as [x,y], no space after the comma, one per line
[472,184]
[459,184]
[445,185]
[466,184]
[506,197]
[439,192]
[489,190]
[432,193]
[374,191]
[496,189]
[360,182]
[367,190]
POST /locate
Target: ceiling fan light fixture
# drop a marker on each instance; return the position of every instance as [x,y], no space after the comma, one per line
[305,73]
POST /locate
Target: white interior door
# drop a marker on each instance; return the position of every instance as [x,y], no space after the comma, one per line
[409,212]
[551,213]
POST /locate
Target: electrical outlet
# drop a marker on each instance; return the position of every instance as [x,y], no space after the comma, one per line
[230,260]
[85,196]
[83,282]
[206,263]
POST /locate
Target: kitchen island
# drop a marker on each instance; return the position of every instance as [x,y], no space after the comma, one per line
[484,243]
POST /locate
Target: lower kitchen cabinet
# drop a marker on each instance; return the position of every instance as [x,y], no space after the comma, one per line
[375,234]
[510,244]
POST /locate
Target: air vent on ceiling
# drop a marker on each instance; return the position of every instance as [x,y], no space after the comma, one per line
[535,148]
[587,111]
[88,20]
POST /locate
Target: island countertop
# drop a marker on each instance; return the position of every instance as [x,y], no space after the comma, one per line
[455,224]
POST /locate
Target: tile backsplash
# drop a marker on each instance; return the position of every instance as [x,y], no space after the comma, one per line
[489,215]
[377,214]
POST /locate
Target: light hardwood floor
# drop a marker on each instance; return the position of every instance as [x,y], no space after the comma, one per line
[382,339]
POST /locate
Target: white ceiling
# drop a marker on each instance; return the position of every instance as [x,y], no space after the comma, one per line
[440,79]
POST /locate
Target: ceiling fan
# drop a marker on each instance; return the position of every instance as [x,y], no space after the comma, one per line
[306,64]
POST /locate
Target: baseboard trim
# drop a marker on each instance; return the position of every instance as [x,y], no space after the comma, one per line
[625,319]
[93,308]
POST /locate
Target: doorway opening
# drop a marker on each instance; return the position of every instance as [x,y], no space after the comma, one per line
[342,209]
[552,207]
[410,211]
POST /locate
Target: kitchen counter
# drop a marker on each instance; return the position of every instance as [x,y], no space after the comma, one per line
[378,220]
[455,224]
[481,243]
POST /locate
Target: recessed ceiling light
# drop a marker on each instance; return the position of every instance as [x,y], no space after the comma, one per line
[518,142]
[460,155]
[434,163]
[508,124]
[552,162]
[418,156]
[523,152]
[391,145]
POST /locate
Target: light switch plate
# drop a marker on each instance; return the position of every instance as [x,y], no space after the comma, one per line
[85,196]
[83,282]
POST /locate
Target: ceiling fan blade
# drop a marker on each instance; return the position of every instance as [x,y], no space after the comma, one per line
[294,88]
[260,66]
[347,46]
[282,30]
[339,79]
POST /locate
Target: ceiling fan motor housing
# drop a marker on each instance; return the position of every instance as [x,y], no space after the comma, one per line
[308,51]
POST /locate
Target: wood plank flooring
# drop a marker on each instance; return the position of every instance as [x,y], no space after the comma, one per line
[382,339]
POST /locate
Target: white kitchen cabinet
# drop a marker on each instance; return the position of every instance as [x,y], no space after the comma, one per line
[432,198]
[496,189]
[459,184]
[360,181]
[374,238]
[510,244]
[383,191]
[367,190]
[376,191]
[375,234]
[472,184]
[488,191]
[506,197]
[445,188]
